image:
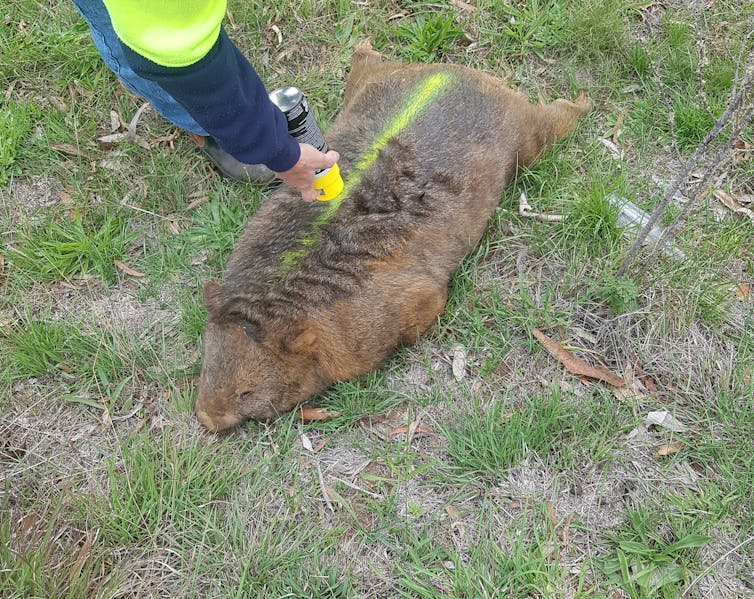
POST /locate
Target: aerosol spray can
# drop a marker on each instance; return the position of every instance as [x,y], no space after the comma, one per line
[301,125]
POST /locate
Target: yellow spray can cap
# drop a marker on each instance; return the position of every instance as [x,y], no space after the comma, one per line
[330,182]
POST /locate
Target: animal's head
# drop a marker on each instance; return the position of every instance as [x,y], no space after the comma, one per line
[250,373]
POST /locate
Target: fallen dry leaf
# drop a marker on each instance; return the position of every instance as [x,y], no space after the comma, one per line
[308,414]
[742,290]
[106,142]
[198,202]
[669,449]
[576,365]
[2,263]
[278,34]
[69,149]
[122,266]
[306,442]
[618,125]
[115,121]
[231,19]
[463,5]
[82,556]
[320,444]
[411,431]
[732,203]
[135,120]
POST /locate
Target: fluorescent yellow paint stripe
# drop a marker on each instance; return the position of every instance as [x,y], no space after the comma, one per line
[425,92]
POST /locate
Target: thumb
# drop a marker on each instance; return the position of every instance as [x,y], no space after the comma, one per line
[325,160]
[332,157]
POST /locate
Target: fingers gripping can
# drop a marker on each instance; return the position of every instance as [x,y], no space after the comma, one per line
[302,126]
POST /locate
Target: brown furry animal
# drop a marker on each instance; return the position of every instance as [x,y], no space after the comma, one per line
[323,292]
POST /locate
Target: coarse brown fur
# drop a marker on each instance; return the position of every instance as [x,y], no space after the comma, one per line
[375,275]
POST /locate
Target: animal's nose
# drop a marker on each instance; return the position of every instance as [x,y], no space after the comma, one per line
[214,421]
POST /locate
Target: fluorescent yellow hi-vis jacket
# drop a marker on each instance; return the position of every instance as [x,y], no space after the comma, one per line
[174,33]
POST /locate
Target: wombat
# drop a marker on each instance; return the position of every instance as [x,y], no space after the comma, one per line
[321,292]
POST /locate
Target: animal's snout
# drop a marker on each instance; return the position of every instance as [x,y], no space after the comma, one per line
[213,420]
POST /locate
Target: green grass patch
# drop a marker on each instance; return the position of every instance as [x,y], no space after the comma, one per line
[492,438]
[157,488]
[15,130]
[38,346]
[649,559]
[44,554]
[55,251]
[428,37]
[597,32]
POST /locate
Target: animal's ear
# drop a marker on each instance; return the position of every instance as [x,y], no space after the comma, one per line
[212,295]
[300,339]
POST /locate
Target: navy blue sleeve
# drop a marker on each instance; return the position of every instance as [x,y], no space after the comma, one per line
[224,94]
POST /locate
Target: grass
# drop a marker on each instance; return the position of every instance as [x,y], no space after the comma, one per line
[52,251]
[491,439]
[645,563]
[427,38]
[517,479]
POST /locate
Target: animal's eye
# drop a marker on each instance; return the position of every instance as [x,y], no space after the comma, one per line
[245,395]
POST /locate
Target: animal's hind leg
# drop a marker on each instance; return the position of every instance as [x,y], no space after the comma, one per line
[544,124]
[563,115]
[426,303]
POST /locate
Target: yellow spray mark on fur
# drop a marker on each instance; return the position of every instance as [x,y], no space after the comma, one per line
[425,92]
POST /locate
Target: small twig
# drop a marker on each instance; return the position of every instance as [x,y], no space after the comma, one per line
[739,59]
[149,212]
[709,568]
[357,487]
[701,63]
[524,209]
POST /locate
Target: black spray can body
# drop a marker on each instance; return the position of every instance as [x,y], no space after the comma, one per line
[302,126]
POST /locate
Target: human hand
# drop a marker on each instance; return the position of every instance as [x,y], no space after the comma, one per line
[301,175]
